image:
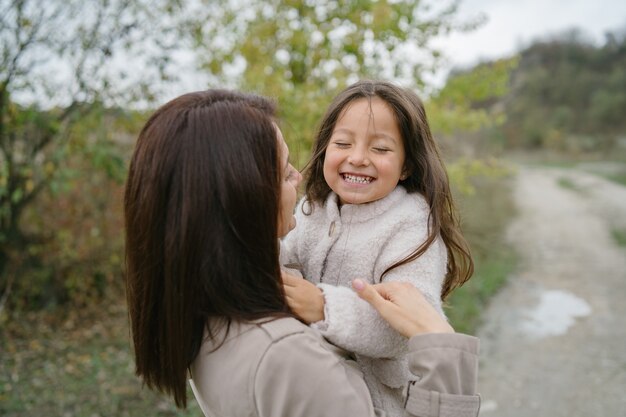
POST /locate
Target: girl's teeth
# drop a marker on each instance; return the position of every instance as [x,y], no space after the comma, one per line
[359,180]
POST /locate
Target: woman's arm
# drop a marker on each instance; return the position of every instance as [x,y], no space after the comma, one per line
[298,376]
[447,367]
[445,362]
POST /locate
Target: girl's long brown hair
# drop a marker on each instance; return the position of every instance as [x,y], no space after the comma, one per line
[427,173]
[201,215]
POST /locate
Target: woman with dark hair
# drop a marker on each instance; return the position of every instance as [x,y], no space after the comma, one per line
[210,191]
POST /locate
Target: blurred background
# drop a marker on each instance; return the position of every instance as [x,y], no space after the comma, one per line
[507,84]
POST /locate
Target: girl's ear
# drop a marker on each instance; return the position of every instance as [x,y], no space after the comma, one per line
[405,174]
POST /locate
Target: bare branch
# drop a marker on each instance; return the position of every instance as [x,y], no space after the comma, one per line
[7,291]
[22,45]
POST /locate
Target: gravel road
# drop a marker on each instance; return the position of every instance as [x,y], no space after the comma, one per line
[554,339]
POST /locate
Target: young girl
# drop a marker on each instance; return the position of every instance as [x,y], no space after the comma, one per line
[378,207]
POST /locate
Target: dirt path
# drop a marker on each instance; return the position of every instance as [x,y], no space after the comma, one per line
[554,341]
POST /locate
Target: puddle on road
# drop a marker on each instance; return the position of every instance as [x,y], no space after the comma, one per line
[556,313]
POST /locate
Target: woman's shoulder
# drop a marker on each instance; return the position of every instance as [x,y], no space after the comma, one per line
[277,329]
[258,333]
[265,364]
[269,331]
[226,370]
[289,336]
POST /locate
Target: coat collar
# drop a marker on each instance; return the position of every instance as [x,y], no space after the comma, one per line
[358,213]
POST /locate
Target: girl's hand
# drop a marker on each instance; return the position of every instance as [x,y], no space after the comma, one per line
[404,307]
[305,299]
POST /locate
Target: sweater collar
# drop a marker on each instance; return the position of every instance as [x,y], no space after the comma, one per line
[357,213]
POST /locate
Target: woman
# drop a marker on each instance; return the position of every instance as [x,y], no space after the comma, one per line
[209,193]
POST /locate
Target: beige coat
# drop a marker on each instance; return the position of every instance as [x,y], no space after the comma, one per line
[284,368]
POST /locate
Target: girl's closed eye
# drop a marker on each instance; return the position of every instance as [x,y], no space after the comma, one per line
[340,143]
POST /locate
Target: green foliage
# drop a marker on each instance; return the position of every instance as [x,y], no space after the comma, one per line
[464,172]
[75,224]
[463,114]
[57,135]
[302,52]
[465,103]
[568,95]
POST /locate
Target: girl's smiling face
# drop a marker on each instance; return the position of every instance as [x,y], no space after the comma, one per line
[364,159]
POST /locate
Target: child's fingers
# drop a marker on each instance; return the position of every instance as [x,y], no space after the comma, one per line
[290,292]
[290,301]
[290,280]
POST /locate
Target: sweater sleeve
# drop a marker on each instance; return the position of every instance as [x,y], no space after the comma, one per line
[446,367]
[297,377]
[356,326]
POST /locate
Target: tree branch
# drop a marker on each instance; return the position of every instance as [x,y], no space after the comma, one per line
[7,290]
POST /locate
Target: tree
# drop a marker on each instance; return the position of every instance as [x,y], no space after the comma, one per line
[302,52]
[61,63]
[469,100]
[568,94]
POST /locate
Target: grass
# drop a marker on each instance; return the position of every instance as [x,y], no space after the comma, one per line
[611,170]
[619,235]
[591,162]
[75,364]
[486,215]
[467,303]
[568,184]
[619,178]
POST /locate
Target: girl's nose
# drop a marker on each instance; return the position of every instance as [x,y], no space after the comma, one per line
[358,157]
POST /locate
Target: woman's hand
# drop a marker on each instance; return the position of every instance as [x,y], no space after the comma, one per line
[404,307]
[305,299]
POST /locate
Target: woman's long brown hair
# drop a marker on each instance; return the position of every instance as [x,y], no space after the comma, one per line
[427,173]
[201,215]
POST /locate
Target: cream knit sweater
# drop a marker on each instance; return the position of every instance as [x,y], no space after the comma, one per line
[333,246]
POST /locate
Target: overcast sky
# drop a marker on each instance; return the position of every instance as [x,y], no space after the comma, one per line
[512,24]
